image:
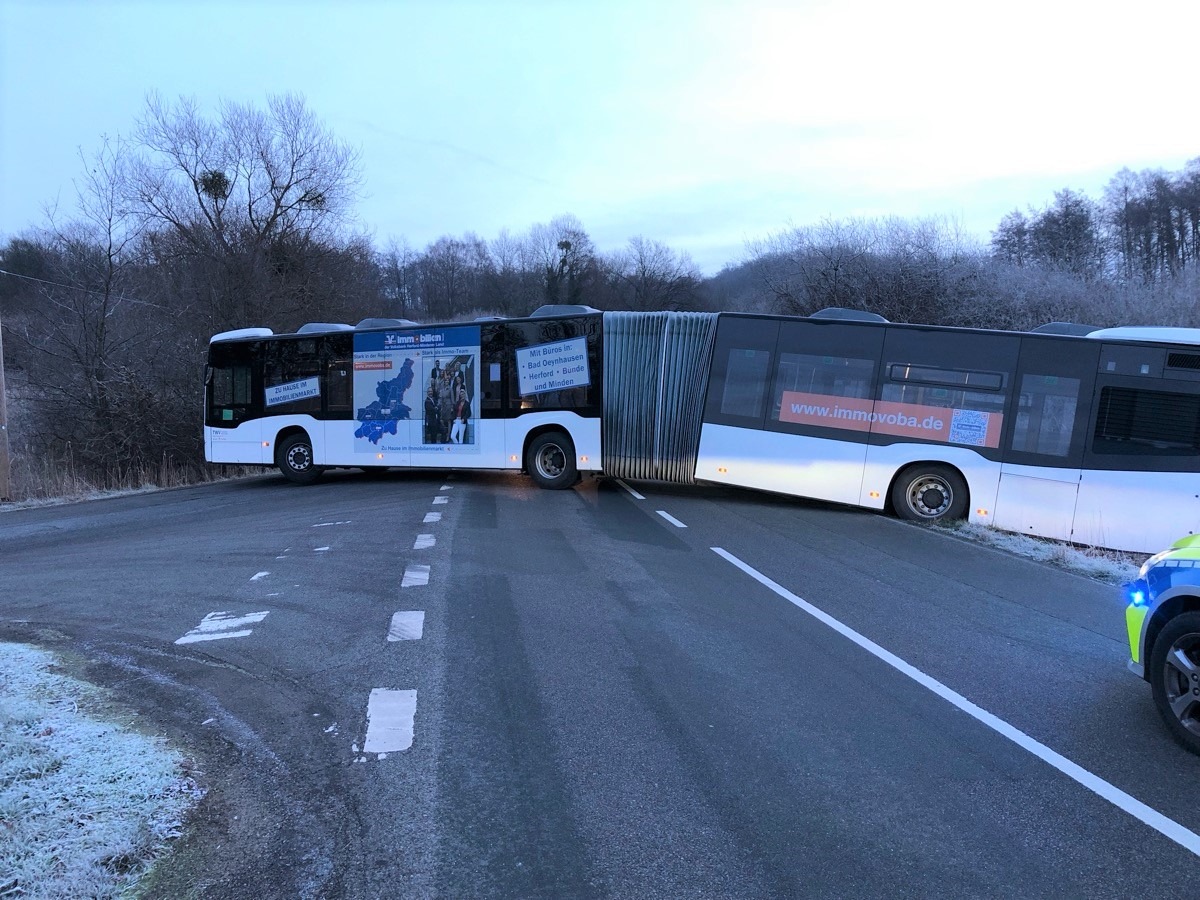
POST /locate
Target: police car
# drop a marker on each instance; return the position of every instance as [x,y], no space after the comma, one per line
[1163,618]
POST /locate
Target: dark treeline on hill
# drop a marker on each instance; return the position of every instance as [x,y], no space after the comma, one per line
[195,224]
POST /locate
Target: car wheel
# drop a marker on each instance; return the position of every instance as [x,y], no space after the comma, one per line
[930,493]
[1175,677]
[550,461]
[294,457]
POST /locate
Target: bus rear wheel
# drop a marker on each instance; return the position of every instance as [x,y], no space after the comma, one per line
[550,461]
[930,493]
[1175,678]
[294,457]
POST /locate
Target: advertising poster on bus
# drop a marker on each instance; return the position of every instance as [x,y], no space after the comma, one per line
[416,391]
[951,425]
[553,367]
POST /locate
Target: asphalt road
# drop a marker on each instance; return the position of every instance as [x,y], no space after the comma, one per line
[606,705]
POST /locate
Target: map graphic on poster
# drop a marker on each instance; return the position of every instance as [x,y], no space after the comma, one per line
[415,391]
[381,416]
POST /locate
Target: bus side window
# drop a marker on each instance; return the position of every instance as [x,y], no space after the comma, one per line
[1147,423]
[1046,414]
[745,383]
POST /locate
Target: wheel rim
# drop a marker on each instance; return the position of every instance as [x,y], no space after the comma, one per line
[299,457]
[930,496]
[1181,677]
[551,462]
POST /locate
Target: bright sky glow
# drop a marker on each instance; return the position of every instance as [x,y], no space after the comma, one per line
[701,124]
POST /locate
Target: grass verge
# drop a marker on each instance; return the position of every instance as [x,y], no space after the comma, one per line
[1111,566]
[86,804]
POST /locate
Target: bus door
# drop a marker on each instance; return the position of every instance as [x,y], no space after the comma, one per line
[1049,414]
[1140,488]
[338,395]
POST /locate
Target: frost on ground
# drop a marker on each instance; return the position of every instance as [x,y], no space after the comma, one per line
[85,804]
[1110,566]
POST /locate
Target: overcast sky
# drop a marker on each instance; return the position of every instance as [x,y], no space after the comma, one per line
[700,124]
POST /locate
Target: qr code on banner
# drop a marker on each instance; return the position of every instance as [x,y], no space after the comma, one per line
[969,426]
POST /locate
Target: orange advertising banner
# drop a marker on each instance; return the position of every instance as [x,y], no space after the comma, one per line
[931,423]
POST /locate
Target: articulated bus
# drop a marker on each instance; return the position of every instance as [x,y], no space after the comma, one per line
[1082,435]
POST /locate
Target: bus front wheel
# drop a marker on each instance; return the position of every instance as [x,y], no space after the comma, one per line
[550,461]
[294,457]
[930,493]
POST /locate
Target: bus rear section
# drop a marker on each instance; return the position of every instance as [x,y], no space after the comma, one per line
[495,395]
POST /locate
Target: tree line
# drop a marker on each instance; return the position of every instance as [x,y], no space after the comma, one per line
[1144,229]
[199,223]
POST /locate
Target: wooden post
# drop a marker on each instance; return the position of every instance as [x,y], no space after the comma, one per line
[5,479]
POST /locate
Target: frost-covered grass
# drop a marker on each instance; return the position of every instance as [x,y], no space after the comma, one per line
[1110,566]
[78,490]
[86,804]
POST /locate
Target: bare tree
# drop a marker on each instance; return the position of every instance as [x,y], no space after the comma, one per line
[240,191]
[1010,240]
[87,331]
[401,282]
[649,275]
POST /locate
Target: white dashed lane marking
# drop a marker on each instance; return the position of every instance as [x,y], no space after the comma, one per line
[321,549]
[636,495]
[407,626]
[437,500]
[390,720]
[446,487]
[424,542]
[432,517]
[670,518]
[415,576]
[221,625]
[259,576]
[327,524]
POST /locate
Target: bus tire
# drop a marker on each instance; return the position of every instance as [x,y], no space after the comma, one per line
[930,493]
[550,461]
[294,457]
[1175,678]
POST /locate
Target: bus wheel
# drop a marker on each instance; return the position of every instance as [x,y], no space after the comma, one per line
[550,461]
[1175,678]
[929,493]
[294,457]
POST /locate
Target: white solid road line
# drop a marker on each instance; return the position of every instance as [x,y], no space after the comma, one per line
[1094,783]
[636,495]
[670,518]
[390,720]
[424,542]
[415,576]
[407,626]
[431,517]
[219,626]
